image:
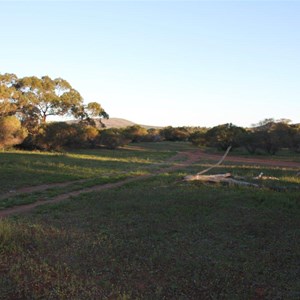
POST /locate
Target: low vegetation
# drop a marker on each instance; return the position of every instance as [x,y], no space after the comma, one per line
[157,238]
[23,168]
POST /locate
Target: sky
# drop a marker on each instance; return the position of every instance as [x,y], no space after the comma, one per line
[178,63]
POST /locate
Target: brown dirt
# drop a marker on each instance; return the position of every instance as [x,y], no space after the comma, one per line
[38,188]
[253,161]
[191,157]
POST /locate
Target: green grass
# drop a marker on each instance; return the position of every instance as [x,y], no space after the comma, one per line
[51,192]
[159,238]
[21,168]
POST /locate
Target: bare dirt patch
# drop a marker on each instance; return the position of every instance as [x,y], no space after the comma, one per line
[253,161]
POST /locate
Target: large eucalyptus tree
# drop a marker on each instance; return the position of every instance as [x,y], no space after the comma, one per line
[49,97]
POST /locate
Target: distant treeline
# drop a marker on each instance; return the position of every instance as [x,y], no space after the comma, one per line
[25,104]
[269,137]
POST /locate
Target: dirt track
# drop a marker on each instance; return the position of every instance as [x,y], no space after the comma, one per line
[253,161]
[191,157]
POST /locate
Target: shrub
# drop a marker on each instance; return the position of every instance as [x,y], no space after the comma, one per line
[112,138]
[175,133]
[11,132]
[198,138]
[135,133]
[223,136]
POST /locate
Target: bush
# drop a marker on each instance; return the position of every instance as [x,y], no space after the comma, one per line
[198,136]
[175,133]
[270,137]
[223,136]
[58,135]
[295,138]
[135,133]
[11,132]
[112,138]
[89,136]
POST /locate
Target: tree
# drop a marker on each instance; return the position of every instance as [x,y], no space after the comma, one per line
[271,136]
[47,97]
[33,99]
[88,113]
[264,122]
[223,136]
[295,140]
[250,140]
[9,95]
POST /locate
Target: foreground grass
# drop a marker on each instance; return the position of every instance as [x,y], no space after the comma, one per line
[47,195]
[92,167]
[156,239]
[159,238]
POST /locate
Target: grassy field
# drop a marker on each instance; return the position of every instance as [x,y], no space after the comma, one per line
[19,168]
[158,238]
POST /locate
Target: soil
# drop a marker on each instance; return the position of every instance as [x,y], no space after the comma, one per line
[191,157]
[38,188]
[253,161]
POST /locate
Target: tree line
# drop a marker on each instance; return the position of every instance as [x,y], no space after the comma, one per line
[267,136]
[26,103]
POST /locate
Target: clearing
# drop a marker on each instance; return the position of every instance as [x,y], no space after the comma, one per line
[133,229]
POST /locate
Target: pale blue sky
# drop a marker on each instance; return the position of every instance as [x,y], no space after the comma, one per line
[198,63]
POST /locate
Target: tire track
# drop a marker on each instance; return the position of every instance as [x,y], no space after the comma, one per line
[191,158]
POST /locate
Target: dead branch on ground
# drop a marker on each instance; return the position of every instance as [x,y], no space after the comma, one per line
[226,178]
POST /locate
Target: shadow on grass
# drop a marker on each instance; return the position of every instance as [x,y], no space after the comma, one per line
[155,239]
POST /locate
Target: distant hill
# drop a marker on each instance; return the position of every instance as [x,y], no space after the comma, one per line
[118,123]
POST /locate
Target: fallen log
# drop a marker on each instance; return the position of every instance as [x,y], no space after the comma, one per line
[217,164]
[226,178]
[213,178]
[219,178]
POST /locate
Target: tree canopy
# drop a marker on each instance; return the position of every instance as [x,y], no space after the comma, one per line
[31,100]
[49,97]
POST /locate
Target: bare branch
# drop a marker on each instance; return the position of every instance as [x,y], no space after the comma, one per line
[217,164]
